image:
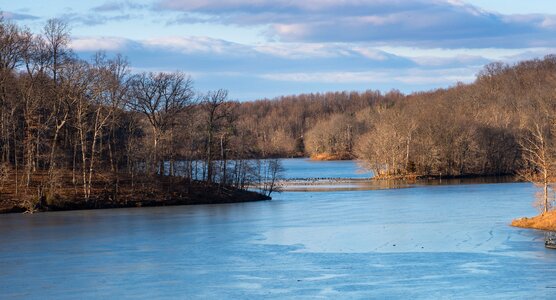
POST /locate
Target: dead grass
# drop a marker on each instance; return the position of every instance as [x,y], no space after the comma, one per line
[545,221]
[330,156]
[407,177]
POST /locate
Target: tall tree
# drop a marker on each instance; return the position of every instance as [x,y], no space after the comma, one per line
[160,97]
[214,106]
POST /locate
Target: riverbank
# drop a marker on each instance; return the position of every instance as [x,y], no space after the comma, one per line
[545,221]
[350,184]
[146,192]
[414,177]
[447,180]
[330,157]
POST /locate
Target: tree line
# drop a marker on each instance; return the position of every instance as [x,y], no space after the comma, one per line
[484,128]
[324,125]
[504,123]
[87,126]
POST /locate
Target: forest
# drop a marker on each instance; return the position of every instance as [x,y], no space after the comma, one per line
[501,124]
[86,133]
[90,130]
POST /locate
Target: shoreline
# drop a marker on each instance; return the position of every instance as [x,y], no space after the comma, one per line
[246,196]
[130,204]
[153,193]
[330,180]
[350,184]
[330,157]
[546,222]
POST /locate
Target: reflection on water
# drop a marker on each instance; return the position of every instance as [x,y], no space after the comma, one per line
[468,180]
[320,185]
[429,241]
[340,185]
[300,168]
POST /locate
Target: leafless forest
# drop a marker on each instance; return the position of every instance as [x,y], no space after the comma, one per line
[503,123]
[90,128]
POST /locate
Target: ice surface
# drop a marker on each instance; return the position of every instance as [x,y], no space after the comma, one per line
[450,241]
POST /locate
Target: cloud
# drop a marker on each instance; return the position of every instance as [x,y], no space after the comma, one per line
[541,21]
[271,69]
[288,7]
[110,11]
[219,47]
[409,76]
[93,44]
[111,6]
[288,60]
[528,54]
[452,61]
[92,19]
[196,45]
[17,16]
[203,54]
[421,23]
[321,50]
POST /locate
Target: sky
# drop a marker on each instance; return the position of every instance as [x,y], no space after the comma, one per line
[264,49]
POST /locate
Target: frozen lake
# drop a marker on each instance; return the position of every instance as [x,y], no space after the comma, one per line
[425,241]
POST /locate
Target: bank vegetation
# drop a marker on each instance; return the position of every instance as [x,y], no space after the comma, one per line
[89,133]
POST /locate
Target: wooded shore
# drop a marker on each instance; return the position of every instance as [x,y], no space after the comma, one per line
[124,192]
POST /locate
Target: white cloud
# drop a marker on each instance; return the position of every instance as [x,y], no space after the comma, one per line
[319,50]
[206,45]
[195,45]
[98,43]
[408,76]
[549,22]
[17,16]
[328,77]
[371,53]
[462,59]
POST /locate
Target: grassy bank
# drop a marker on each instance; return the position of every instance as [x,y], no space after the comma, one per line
[546,221]
[331,156]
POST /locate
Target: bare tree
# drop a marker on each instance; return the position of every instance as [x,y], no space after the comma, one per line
[117,76]
[56,39]
[214,105]
[160,97]
[539,157]
[79,78]
[270,172]
[57,36]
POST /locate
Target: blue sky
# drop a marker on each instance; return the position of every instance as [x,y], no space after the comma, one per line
[259,48]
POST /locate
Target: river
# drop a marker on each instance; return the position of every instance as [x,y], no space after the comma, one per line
[421,241]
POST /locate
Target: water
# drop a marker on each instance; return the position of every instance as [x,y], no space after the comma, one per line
[299,168]
[424,241]
[294,168]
